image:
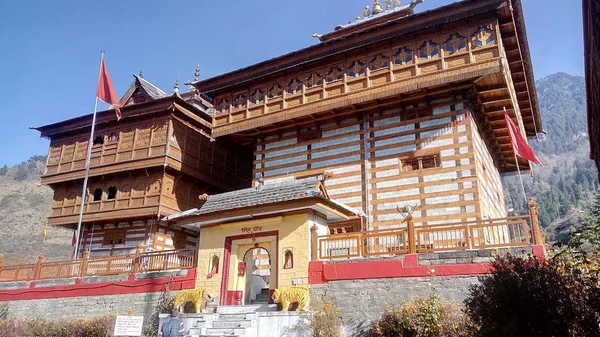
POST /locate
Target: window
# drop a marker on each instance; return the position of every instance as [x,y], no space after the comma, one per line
[112,193]
[113,137]
[289,259]
[309,135]
[420,163]
[98,140]
[114,238]
[98,194]
[213,266]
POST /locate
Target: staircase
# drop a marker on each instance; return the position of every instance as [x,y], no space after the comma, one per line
[262,298]
[231,320]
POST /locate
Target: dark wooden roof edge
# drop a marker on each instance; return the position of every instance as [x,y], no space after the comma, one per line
[296,58]
[592,110]
[522,35]
[107,116]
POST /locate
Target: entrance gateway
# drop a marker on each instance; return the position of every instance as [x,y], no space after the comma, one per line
[249,267]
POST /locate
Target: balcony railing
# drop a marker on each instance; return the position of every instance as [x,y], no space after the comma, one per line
[479,234]
[102,265]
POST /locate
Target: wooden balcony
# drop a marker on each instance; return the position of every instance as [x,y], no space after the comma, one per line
[467,235]
[99,266]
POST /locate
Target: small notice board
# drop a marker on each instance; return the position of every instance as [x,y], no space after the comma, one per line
[129,326]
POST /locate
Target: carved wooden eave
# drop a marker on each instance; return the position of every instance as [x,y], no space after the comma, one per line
[171,103]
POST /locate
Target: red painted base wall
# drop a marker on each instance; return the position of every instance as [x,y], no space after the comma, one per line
[130,286]
[320,272]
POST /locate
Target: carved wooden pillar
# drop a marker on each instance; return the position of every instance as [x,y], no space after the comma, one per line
[314,243]
[136,260]
[38,268]
[412,248]
[84,263]
[536,232]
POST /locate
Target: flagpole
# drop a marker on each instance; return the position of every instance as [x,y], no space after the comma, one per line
[521,179]
[87,166]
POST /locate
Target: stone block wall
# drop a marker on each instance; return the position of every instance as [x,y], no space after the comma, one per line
[362,301]
[142,304]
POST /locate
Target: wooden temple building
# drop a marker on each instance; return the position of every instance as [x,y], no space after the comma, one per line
[591,40]
[386,137]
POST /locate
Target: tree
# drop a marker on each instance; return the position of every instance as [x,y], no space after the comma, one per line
[533,297]
[21,173]
[3,170]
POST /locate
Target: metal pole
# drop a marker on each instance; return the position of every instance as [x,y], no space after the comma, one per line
[87,167]
[521,179]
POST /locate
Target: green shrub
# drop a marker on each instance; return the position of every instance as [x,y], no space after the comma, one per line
[530,297]
[422,318]
[164,305]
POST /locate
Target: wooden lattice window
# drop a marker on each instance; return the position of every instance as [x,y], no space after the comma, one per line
[421,163]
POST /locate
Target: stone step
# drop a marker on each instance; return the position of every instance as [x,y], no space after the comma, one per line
[260,302]
[262,297]
[232,324]
[232,317]
[225,331]
[265,291]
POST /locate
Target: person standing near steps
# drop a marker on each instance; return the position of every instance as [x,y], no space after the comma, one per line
[173,327]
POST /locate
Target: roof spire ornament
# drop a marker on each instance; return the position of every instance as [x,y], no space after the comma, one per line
[388,5]
[377,7]
[176,87]
[397,3]
[366,12]
[141,75]
[197,73]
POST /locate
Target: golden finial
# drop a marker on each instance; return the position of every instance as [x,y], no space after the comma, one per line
[377,7]
[396,3]
[357,18]
[366,12]
[197,73]
[388,5]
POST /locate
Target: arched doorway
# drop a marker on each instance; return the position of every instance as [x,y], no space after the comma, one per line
[258,274]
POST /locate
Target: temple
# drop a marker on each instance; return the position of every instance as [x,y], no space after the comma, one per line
[386,139]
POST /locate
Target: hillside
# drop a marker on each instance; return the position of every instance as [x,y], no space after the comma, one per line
[24,205]
[563,188]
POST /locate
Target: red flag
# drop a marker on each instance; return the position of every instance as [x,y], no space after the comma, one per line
[106,91]
[519,144]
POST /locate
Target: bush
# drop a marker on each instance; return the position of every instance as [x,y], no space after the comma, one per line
[323,322]
[100,326]
[529,297]
[164,305]
[423,318]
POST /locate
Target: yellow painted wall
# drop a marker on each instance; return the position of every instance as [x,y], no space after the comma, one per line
[294,234]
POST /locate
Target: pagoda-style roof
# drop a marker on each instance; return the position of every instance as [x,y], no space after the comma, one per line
[264,199]
[143,88]
[84,122]
[402,23]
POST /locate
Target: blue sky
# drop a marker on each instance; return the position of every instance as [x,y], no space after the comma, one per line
[50,50]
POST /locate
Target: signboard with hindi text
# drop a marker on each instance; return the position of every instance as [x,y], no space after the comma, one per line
[129,326]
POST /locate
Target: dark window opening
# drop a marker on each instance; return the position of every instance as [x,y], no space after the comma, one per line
[421,163]
[98,194]
[114,238]
[98,140]
[112,193]
[309,135]
[289,260]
